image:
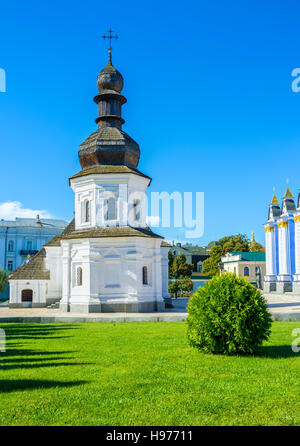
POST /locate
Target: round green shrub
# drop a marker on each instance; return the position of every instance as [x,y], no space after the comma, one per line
[228,315]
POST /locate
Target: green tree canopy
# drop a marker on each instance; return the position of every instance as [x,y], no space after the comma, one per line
[174,288]
[186,285]
[231,243]
[170,258]
[180,268]
[3,280]
[256,247]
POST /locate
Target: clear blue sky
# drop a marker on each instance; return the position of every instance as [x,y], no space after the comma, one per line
[209,100]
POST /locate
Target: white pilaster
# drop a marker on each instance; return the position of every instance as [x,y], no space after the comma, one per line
[271,264]
[284,273]
[66,276]
[297,247]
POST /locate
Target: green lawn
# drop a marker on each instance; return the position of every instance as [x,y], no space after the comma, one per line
[142,374]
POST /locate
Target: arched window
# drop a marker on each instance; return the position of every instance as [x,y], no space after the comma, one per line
[136,207]
[246,271]
[111,212]
[79,276]
[199,266]
[10,246]
[145,275]
[86,211]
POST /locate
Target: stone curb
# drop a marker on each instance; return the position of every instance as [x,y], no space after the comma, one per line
[110,318]
[286,316]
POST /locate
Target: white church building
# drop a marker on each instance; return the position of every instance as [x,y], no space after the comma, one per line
[282,235]
[107,259]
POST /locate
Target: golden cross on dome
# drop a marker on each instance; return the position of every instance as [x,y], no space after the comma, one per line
[110,37]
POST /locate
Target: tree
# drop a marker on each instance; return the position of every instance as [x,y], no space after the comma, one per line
[228,315]
[170,258]
[235,243]
[3,280]
[232,243]
[186,285]
[174,288]
[211,265]
[180,268]
[256,247]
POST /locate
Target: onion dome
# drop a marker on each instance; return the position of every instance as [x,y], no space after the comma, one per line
[110,79]
[109,145]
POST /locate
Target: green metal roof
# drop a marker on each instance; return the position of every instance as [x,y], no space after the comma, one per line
[251,256]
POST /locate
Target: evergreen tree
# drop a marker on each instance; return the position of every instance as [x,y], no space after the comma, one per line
[232,243]
[3,280]
[180,268]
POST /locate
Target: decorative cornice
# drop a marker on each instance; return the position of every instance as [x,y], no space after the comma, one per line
[282,224]
[269,229]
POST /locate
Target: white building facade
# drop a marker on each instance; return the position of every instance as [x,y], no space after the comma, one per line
[24,237]
[107,259]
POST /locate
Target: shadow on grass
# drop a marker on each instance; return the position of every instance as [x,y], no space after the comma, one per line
[7,385]
[17,357]
[36,331]
[23,366]
[30,359]
[12,352]
[276,352]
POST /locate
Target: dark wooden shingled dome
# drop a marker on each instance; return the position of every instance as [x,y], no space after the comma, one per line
[109,145]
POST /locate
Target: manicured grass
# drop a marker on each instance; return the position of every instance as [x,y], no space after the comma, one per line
[142,374]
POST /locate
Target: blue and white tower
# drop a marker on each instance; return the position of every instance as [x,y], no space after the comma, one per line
[271,237]
[296,285]
[286,243]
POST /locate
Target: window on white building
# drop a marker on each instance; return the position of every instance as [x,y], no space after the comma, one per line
[246,271]
[10,246]
[145,275]
[79,276]
[136,207]
[111,209]
[86,211]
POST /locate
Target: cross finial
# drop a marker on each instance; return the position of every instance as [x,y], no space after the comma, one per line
[110,36]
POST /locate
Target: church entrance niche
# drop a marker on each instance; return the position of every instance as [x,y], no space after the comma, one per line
[27,298]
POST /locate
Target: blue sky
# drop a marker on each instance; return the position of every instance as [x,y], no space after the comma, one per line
[209,100]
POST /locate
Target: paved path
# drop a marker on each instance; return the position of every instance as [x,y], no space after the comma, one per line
[282,308]
[46,316]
